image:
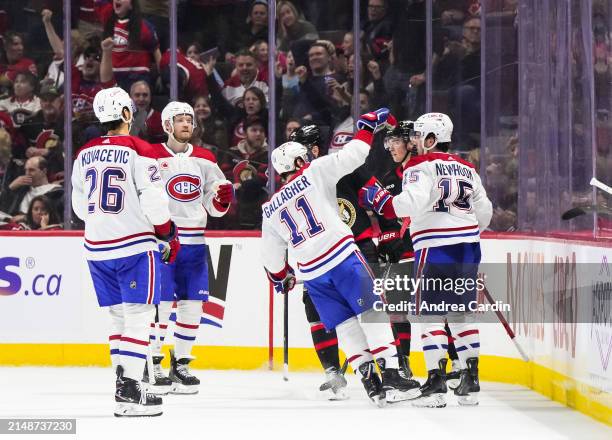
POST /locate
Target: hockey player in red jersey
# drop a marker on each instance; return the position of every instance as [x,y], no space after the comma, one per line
[448,206]
[117,191]
[196,188]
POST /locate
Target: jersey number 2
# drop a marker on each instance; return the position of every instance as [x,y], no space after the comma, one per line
[111,194]
[314,227]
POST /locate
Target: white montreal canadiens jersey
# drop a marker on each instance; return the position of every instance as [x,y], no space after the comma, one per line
[118,192]
[445,199]
[189,180]
[302,217]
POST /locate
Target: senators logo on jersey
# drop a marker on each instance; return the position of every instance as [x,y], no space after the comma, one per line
[184,187]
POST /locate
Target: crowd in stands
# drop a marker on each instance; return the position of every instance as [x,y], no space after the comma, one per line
[222,60]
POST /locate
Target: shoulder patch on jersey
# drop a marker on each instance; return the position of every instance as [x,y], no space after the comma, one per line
[184,187]
[203,153]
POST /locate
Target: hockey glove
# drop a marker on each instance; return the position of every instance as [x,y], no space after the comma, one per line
[168,232]
[391,246]
[374,121]
[283,281]
[374,197]
[224,196]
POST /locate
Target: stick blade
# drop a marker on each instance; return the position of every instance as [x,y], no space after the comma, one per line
[573,213]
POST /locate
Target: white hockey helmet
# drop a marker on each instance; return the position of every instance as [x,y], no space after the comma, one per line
[437,124]
[283,157]
[175,108]
[109,104]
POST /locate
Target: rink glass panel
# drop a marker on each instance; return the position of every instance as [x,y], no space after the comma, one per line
[545,98]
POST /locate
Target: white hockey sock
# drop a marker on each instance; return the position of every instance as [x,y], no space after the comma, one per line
[158,331]
[467,341]
[435,344]
[117,328]
[380,339]
[188,314]
[134,342]
[353,342]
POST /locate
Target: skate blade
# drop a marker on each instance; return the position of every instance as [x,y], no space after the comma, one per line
[393,396]
[339,394]
[177,388]
[470,400]
[159,390]
[137,410]
[379,401]
[453,383]
[431,401]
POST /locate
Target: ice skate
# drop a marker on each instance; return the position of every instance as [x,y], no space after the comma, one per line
[163,383]
[395,385]
[335,386]
[453,378]
[469,386]
[132,400]
[372,384]
[183,382]
[433,390]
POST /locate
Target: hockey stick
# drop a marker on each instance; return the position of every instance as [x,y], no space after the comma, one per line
[602,186]
[503,321]
[577,211]
[286,336]
[150,351]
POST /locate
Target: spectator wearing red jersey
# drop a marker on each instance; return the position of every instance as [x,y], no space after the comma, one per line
[136,46]
[192,73]
[147,121]
[23,104]
[13,60]
[89,16]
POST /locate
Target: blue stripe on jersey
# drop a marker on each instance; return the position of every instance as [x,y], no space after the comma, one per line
[191,235]
[210,322]
[133,354]
[432,237]
[328,259]
[184,338]
[111,248]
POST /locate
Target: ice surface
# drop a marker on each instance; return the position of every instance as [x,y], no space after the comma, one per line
[259,404]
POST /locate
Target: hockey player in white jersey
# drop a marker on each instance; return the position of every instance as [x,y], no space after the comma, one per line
[196,188]
[445,199]
[117,191]
[302,218]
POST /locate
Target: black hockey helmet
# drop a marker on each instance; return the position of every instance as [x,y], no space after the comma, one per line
[402,130]
[307,135]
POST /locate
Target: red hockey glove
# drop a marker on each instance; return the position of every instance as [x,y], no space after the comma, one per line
[225,195]
[283,281]
[374,197]
[168,232]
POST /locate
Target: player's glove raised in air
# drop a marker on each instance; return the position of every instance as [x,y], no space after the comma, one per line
[374,197]
[391,246]
[224,195]
[283,281]
[168,232]
[374,121]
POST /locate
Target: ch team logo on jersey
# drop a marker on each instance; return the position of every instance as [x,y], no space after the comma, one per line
[184,187]
[347,212]
[341,138]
